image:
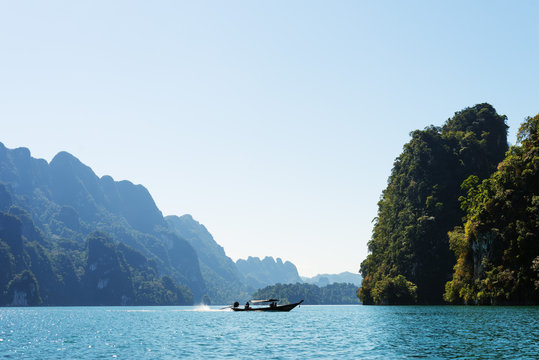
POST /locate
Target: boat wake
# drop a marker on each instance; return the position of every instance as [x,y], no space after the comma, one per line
[203,307]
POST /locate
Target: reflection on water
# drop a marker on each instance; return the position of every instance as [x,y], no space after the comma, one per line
[306,332]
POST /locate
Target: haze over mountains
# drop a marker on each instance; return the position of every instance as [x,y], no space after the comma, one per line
[328,279]
[259,273]
[69,237]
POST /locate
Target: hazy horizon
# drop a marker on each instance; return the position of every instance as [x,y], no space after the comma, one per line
[275,125]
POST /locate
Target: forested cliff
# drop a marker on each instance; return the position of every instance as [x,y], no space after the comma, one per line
[435,185]
[49,215]
[497,248]
[69,237]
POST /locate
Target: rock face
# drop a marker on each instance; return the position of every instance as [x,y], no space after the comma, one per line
[260,273]
[23,290]
[107,280]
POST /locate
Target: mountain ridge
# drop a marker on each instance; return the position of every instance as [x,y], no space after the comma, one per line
[62,203]
[66,199]
[260,273]
[328,279]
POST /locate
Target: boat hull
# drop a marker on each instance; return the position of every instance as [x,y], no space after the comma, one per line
[279,308]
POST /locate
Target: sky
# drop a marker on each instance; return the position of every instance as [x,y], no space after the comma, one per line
[275,124]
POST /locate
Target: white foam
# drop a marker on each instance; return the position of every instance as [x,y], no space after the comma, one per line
[204,307]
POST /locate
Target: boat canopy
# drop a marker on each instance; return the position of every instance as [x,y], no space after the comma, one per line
[263,301]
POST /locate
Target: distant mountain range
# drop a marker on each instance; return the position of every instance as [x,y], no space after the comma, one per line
[51,212]
[328,279]
[69,237]
[333,294]
[260,273]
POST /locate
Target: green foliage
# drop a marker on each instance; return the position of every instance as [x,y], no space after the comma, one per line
[420,205]
[148,287]
[23,290]
[41,265]
[5,198]
[7,261]
[165,291]
[334,294]
[67,272]
[53,210]
[394,291]
[221,290]
[498,251]
[107,279]
[11,233]
[177,294]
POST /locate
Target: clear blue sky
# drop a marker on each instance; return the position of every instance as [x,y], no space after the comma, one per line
[275,123]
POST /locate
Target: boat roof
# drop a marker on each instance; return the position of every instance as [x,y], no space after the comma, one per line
[263,301]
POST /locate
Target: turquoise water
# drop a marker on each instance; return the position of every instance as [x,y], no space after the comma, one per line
[306,332]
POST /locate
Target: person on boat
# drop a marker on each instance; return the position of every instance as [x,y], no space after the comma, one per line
[273,304]
[247,305]
[236,304]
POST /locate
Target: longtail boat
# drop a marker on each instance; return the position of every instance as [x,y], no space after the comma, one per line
[264,305]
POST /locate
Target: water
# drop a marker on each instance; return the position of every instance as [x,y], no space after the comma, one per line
[327,332]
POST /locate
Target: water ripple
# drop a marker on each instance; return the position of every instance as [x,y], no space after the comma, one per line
[319,332]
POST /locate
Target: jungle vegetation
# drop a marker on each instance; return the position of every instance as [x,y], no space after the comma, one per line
[497,248]
[69,237]
[333,294]
[94,272]
[442,178]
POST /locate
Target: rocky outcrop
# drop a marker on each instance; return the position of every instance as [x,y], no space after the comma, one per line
[23,290]
[268,271]
[107,280]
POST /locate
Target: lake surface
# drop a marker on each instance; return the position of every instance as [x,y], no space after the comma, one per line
[307,332]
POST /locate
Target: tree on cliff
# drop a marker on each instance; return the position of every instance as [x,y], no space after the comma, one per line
[410,260]
[498,249]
